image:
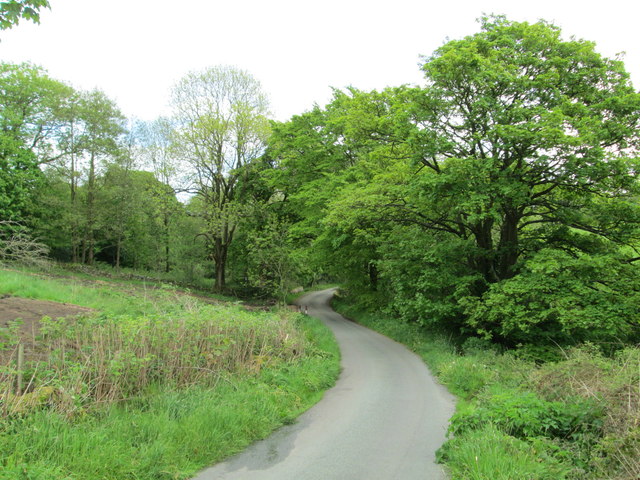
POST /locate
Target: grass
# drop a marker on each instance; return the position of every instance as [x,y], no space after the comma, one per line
[576,418]
[169,434]
[93,293]
[488,453]
[110,295]
[156,386]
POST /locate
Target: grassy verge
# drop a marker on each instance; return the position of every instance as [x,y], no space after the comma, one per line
[577,418]
[156,386]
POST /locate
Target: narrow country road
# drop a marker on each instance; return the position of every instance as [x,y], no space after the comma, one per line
[383,420]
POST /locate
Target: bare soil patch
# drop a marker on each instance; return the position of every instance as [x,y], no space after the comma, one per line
[29,312]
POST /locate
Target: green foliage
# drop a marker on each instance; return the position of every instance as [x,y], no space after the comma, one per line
[490,454]
[522,168]
[210,407]
[561,298]
[426,277]
[31,109]
[501,199]
[19,177]
[525,415]
[12,11]
[271,266]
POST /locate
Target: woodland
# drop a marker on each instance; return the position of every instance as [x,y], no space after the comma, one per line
[488,218]
[498,200]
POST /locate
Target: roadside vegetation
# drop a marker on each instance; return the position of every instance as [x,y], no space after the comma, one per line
[577,417]
[155,383]
[496,203]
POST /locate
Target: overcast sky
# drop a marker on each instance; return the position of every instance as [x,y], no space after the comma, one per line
[135,50]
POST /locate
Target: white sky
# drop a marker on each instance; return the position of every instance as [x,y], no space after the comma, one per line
[135,50]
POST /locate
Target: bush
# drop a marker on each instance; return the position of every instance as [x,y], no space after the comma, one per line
[559,298]
[489,454]
[613,383]
[524,415]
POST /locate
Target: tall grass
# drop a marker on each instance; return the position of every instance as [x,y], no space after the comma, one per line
[156,385]
[169,433]
[98,359]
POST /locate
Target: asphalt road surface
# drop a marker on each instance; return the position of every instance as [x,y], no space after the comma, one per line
[384,419]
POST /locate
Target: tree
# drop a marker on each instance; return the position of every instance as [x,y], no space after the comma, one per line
[157,153]
[12,11]
[272,267]
[335,167]
[31,123]
[220,117]
[101,126]
[519,129]
[134,207]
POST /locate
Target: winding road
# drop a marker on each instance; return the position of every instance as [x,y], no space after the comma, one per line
[384,419]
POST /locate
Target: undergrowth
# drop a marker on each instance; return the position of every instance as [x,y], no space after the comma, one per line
[159,392]
[575,418]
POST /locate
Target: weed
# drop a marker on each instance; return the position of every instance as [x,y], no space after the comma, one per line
[156,386]
[490,454]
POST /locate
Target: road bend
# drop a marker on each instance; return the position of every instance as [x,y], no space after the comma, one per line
[383,420]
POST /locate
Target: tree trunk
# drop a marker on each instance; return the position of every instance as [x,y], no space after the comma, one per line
[373,276]
[483,260]
[118,250]
[83,250]
[220,259]
[508,248]
[75,242]
[220,274]
[166,243]
[90,241]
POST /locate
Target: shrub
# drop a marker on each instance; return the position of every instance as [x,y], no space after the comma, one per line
[613,383]
[524,415]
[563,299]
[107,358]
[489,454]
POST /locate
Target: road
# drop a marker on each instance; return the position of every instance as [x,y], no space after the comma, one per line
[384,419]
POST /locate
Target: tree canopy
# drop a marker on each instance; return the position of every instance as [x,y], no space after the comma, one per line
[221,127]
[519,143]
[498,199]
[12,11]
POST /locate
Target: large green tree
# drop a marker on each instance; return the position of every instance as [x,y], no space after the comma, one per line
[31,125]
[221,127]
[518,127]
